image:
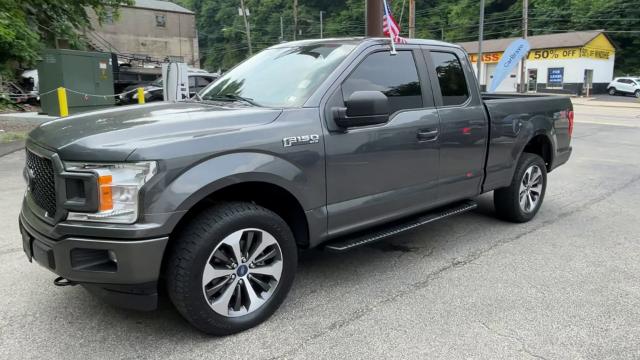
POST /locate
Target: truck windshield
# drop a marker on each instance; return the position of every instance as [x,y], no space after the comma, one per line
[280,77]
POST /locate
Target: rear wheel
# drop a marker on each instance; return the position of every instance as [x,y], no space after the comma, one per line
[521,200]
[612,91]
[231,267]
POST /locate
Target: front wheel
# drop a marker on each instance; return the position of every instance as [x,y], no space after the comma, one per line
[521,200]
[612,91]
[637,94]
[231,267]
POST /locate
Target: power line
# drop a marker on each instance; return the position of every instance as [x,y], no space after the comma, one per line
[588,19]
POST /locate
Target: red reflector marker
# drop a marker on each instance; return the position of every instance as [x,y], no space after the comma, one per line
[570,116]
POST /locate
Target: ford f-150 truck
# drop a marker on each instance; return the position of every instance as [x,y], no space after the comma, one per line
[331,143]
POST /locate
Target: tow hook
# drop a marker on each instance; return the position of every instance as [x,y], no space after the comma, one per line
[60,281]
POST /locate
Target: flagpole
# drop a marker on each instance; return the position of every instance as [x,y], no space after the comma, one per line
[393,42]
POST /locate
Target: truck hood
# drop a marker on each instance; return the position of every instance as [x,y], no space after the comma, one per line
[113,134]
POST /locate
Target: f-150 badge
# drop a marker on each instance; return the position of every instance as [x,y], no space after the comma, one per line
[300,140]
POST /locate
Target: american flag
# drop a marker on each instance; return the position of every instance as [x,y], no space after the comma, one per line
[390,27]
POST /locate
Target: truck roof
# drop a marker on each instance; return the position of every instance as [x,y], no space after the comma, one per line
[363,40]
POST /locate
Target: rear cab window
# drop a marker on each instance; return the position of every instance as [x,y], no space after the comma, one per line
[395,76]
[451,78]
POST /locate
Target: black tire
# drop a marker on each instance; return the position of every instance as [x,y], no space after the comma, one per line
[637,94]
[507,200]
[190,252]
[611,91]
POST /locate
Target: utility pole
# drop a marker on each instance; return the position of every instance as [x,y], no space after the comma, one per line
[480,38]
[321,12]
[525,31]
[281,30]
[295,19]
[246,25]
[412,18]
[374,18]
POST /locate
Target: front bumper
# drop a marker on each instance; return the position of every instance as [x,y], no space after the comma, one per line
[123,272]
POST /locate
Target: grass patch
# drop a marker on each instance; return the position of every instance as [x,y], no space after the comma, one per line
[10,136]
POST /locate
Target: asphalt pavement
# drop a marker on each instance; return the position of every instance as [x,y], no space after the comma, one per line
[563,286]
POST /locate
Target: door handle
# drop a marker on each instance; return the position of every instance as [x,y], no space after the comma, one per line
[427,135]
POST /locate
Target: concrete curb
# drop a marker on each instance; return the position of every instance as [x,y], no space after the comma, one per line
[30,117]
[10,147]
[606,104]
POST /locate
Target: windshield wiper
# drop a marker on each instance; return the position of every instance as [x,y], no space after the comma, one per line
[232,97]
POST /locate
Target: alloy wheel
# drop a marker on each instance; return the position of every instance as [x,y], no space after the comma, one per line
[530,189]
[242,272]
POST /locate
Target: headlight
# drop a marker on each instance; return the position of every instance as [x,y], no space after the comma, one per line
[118,189]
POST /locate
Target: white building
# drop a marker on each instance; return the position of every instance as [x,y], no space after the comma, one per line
[564,63]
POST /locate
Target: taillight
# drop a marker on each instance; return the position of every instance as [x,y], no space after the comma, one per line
[570,117]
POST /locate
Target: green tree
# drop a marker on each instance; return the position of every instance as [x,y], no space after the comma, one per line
[223,43]
[26,26]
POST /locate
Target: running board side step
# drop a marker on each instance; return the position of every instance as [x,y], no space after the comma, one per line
[379,233]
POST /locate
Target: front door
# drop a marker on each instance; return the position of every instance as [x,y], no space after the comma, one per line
[588,81]
[532,80]
[378,173]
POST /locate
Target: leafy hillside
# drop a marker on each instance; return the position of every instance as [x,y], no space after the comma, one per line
[223,42]
[27,26]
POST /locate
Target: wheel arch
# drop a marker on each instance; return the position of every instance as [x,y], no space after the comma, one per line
[266,194]
[541,145]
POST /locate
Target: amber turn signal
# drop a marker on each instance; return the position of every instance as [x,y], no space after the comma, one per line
[106,194]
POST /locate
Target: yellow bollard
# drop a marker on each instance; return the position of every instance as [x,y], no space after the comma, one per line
[62,102]
[140,95]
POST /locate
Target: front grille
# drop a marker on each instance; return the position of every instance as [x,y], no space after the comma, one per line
[42,182]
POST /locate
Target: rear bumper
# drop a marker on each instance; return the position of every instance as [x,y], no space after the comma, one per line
[562,158]
[122,272]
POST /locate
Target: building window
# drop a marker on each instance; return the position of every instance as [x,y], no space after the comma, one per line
[453,84]
[161,20]
[555,78]
[395,76]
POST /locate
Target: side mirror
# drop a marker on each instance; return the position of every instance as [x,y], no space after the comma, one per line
[363,108]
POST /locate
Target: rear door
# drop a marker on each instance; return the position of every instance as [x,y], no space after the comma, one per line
[381,172]
[463,123]
[628,85]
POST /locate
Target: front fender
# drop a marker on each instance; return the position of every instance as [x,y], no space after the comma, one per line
[203,179]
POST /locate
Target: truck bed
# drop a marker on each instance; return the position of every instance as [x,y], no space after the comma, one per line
[512,120]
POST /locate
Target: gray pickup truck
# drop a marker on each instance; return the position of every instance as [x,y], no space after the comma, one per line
[331,143]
